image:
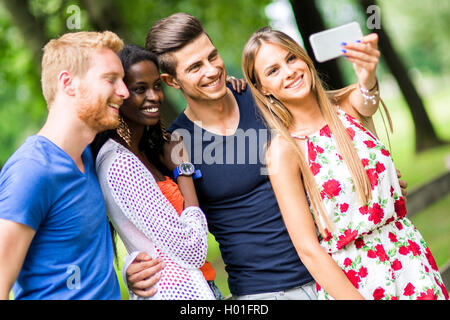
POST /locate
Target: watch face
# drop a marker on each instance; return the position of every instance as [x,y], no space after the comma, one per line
[187,168]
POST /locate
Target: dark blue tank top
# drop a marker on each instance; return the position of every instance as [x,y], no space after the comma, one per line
[242,212]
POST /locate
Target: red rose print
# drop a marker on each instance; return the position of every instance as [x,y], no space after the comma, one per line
[343,207]
[362,272]
[331,188]
[370,144]
[378,294]
[392,237]
[380,167]
[384,152]
[441,285]
[389,220]
[328,234]
[347,262]
[430,259]
[364,210]
[371,135]
[392,191]
[365,162]
[347,237]
[429,295]
[315,167]
[381,254]
[353,277]
[396,265]
[354,122]
[399,225]
[350,132]
[413,248]
[376,213]
[325,131]
[400,207]
[373,177]
[403,250]
[311,152]
[359,243]
[318,287]
[409,290]
[371,254]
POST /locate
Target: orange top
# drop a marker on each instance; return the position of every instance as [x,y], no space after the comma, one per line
[171,191]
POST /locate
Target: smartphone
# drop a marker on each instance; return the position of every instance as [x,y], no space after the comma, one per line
[326,44]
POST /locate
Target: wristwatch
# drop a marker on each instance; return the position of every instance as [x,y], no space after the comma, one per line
[186,169]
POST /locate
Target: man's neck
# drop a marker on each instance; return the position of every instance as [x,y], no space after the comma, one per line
[217,116]
[68,132]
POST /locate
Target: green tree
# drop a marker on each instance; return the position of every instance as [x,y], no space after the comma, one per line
[26,25]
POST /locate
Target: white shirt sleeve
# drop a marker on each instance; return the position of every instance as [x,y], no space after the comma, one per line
[184,238]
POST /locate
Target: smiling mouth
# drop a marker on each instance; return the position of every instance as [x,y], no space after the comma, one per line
[214,83]
[150,110]
[114,106]
[297,83]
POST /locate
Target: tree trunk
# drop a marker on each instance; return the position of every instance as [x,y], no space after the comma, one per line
[104,15]
[310,21]
[425,135]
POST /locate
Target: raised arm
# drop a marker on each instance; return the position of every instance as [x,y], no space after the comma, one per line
[364,56]
[286,180]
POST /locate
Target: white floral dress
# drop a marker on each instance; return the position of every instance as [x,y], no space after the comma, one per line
[378,248]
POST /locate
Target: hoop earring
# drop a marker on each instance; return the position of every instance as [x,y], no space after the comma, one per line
[123,131]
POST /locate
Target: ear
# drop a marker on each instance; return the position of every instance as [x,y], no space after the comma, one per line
[170,81]
[66,83]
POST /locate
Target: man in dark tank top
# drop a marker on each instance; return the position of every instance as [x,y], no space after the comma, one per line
[226,139]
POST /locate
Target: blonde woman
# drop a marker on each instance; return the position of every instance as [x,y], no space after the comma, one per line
[327,162]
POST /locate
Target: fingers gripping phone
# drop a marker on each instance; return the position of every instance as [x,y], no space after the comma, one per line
[326,44]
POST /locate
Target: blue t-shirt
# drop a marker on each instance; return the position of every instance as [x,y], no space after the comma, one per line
[71,254]
[238,200]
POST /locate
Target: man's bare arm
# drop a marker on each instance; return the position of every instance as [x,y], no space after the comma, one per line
[15,239]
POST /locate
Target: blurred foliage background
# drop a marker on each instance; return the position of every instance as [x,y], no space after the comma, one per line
[418,33]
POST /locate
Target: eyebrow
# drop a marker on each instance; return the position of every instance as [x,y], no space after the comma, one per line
[111,74]
[213,52]
[272,65]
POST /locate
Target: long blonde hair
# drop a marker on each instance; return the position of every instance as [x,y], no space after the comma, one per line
[278,117]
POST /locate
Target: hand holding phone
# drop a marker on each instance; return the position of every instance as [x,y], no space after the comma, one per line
[327,44]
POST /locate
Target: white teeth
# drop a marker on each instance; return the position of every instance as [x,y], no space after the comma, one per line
[114,105]
[214,83]
[150,110]
[296,82]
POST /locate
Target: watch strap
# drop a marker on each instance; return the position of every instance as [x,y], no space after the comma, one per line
[176,173]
